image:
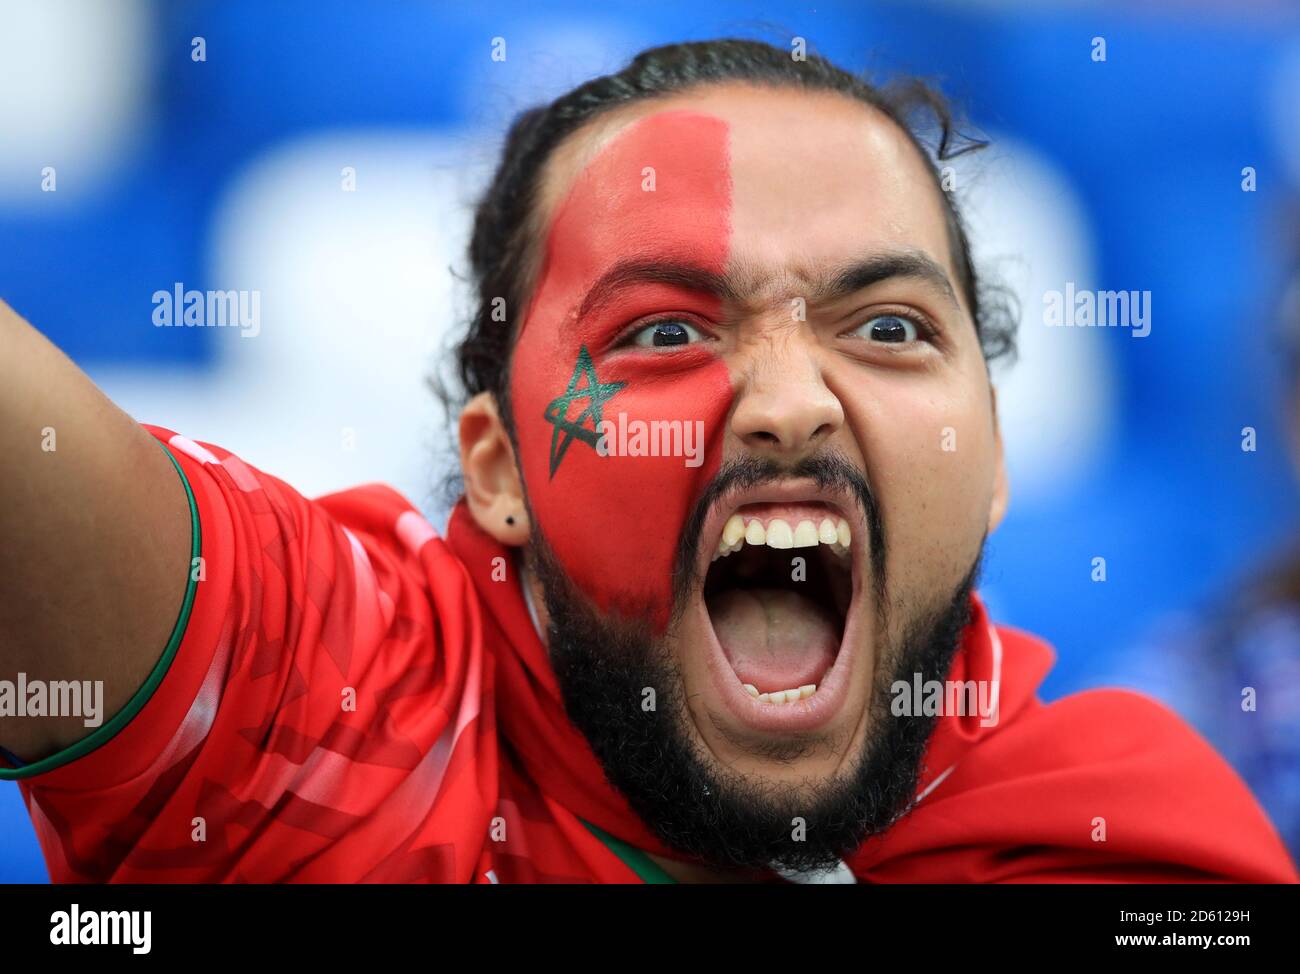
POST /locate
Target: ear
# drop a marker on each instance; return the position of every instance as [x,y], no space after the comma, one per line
[493,487]
[1001,488]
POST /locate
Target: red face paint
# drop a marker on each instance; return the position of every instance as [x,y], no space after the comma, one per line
[615,521]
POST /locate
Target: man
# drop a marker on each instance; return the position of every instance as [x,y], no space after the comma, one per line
[729,405]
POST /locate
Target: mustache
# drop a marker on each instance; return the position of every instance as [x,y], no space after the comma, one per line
[830,469]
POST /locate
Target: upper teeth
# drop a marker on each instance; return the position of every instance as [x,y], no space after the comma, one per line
[777,533]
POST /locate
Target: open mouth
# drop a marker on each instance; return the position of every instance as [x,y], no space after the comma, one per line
[779,596]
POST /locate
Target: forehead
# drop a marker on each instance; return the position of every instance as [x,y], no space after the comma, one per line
[816,178]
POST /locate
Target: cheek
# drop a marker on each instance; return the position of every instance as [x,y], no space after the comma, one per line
[930,459]
[615,521]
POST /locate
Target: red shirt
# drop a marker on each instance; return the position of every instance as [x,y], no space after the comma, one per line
[358,699]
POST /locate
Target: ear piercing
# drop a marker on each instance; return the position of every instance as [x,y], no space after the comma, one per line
[510,519]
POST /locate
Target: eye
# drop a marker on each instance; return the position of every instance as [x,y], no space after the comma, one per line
[672,331]
[887,329]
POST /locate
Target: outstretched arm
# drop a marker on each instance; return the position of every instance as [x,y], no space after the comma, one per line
[94,537]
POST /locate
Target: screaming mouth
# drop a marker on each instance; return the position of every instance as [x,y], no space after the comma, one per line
[778,594]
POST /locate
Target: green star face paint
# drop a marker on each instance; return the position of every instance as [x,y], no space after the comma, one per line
[594,393]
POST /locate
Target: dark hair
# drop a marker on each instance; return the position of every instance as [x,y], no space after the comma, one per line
[504,233]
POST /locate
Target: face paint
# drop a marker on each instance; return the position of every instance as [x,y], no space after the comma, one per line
[614,521]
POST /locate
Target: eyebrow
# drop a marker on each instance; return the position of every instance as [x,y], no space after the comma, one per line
[824,289]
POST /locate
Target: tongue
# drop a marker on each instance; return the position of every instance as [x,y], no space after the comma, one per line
[775,639]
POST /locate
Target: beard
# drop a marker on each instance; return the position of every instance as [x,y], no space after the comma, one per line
[604,667]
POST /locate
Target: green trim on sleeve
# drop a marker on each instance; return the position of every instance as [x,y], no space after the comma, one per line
[102,735]
[647,870]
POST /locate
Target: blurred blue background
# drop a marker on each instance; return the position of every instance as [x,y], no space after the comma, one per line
[226,173]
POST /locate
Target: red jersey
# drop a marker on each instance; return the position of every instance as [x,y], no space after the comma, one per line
[352,697]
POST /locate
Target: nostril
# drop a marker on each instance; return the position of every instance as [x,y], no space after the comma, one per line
[820,432]
[767,438]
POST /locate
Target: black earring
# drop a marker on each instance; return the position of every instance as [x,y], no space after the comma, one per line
[510,519]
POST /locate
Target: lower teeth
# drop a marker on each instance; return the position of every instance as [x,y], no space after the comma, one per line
[782,696]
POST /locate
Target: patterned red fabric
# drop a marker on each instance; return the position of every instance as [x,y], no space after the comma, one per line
[457,764]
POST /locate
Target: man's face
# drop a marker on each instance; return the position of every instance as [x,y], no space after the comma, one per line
[813,372]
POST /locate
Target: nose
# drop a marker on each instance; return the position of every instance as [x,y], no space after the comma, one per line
[784,407]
